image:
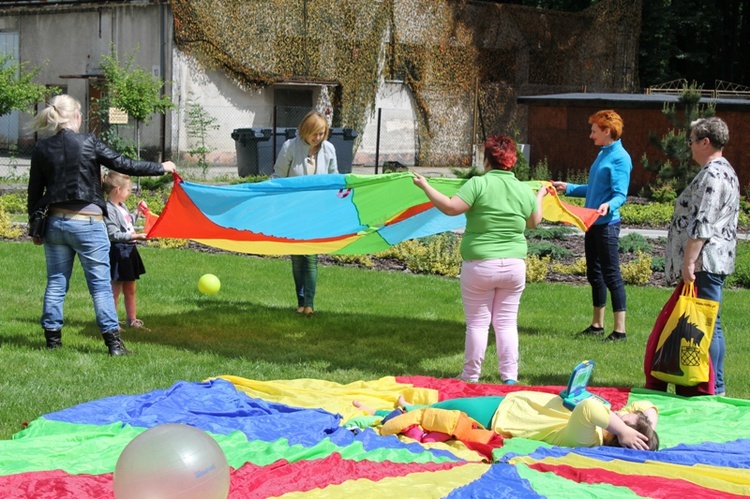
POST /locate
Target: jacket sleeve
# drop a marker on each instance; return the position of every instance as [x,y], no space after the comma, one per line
[114,229]
[284,161]
[113,160]
[35,190]
[577,190]
[620,182]
[333,166]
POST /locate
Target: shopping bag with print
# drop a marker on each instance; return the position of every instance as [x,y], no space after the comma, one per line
[681,355]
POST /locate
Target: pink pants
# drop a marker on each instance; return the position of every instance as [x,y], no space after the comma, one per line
[491,292]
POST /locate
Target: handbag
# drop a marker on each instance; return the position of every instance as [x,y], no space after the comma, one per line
[687,324]
[38,222]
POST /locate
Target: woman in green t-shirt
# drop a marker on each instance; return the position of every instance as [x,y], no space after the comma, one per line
[498,209]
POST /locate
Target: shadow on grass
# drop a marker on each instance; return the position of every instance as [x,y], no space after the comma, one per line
[243,330]
[276,335]
[34,339]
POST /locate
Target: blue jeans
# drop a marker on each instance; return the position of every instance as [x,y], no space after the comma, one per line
[710,287]
[603,265]
[63,240]
[305,272]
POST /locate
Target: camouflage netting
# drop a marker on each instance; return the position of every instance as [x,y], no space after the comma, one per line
[464,61]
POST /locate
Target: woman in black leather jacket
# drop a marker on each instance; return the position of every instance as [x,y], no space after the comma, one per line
[65,177]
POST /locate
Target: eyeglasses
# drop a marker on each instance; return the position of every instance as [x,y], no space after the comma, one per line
[692,141]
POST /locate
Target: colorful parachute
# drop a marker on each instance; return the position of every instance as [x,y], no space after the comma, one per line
[319,214]
[285,438]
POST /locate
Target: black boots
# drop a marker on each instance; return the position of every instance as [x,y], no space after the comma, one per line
[54,338]
[114,343]
[112,340]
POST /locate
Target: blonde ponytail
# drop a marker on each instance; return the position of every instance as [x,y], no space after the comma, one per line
[59,112]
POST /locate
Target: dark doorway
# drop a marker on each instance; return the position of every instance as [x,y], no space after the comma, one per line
[291,105]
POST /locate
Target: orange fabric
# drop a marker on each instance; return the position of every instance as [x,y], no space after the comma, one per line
[556,210]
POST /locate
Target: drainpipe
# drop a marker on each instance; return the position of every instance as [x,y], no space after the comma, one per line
[162,64]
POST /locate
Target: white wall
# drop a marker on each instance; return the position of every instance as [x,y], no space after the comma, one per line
[398,135]
[70,42]
[231,106]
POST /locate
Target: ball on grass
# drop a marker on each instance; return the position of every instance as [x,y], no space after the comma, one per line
[209,284]
[170,461]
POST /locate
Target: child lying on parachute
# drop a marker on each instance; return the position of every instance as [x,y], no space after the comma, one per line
[526,414]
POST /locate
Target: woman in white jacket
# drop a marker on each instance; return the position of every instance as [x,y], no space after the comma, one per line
[309,153]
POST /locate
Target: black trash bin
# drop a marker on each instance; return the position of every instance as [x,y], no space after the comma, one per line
[254,146]
[343,140]
[253,150]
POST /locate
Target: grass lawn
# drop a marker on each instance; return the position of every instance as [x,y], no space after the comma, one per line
[368,324]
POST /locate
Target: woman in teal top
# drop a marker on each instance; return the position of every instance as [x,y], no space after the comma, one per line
[606,191]
[498,209]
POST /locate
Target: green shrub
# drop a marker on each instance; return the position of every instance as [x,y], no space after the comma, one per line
[163,182]
[392,253]
[437,254]
[633,243]
[155,199]
[744,219]
[638,271]
[545,233]
[362,260]
[7,228]
[653,214]
[662,192]
[14,202]
[545,248]
[580,176]
[537,268]
[741,275]
[576,268]
[657,264]
[168,243]
[252,179]
[573,200]
[541,171]
[522,170]
[466,173]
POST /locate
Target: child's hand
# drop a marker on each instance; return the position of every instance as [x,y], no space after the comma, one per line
[142,207]
[140,237]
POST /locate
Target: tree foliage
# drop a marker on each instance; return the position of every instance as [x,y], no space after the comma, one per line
[199,123]
[698,40]
[675,171]
[17,88]
[132,88]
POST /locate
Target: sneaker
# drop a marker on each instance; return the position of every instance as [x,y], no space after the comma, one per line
[592,330]
[510,382]
[461,378]
[616,336]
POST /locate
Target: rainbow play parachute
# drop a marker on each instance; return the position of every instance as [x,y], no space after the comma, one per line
[320,214]
[287,438]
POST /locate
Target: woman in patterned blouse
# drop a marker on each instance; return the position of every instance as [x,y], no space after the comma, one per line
[702,238]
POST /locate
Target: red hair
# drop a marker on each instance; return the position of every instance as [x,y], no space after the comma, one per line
[500,152]
[607,118]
